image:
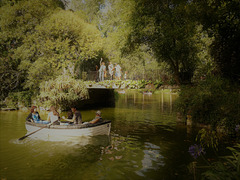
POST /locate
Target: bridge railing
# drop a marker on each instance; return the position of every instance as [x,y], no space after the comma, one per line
[147,75]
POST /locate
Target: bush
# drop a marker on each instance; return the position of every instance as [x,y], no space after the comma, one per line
[214,101]
[227,168]
[158,84]
[18,99]
[62,91]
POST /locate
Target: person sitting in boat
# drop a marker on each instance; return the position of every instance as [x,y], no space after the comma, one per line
[77,117]
[97,118]
[35,117]
[53,115]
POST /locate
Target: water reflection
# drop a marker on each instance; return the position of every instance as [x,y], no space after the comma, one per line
[161,99]
[152,158]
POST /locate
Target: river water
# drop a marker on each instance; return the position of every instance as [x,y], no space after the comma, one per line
[146,142]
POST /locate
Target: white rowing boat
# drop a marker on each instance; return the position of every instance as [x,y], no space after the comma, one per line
[61,132]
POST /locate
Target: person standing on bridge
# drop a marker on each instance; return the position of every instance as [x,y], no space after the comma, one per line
[102,71]
[118,72]
[110,70]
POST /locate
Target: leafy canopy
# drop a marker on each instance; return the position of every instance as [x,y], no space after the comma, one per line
[17,21]
[167,28]
[60,40]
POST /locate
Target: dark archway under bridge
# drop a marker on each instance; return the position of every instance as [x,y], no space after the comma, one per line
[98,97]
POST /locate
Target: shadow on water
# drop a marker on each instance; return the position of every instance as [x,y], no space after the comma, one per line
[98,98]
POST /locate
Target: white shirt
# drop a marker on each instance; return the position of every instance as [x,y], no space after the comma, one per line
[118,69]
[110,68]
[102,68]
[52,117]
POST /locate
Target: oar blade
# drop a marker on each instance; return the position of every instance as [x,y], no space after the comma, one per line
[22,138]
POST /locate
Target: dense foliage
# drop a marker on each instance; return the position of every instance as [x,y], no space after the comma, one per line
[167,28]
[60,42]
[62,92]
[170,29]
[228,167]
[112,18]
[19,99]
[39,41]
[17,21]
[221,20]
[213,101]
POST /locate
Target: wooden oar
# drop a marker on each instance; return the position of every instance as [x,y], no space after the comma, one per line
[48,125]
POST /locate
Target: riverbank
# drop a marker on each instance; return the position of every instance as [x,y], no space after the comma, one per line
[22,100]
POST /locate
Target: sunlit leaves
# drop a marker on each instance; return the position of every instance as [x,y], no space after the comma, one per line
[23,17]
[58,40]
[166,27]
[61,90]
[18,19]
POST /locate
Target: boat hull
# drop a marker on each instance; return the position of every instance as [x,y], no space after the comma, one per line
[70,131]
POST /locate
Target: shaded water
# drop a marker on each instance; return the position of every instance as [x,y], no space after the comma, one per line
[145,143]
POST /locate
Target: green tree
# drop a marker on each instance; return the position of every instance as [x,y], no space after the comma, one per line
[141,64]
[59,42]
[90,10]
[17,20]
[112,19]
[116,28]
[205,65]
[221,20]
[167,28]
[10,78]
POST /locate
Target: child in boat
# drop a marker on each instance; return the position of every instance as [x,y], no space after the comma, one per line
[35,117]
